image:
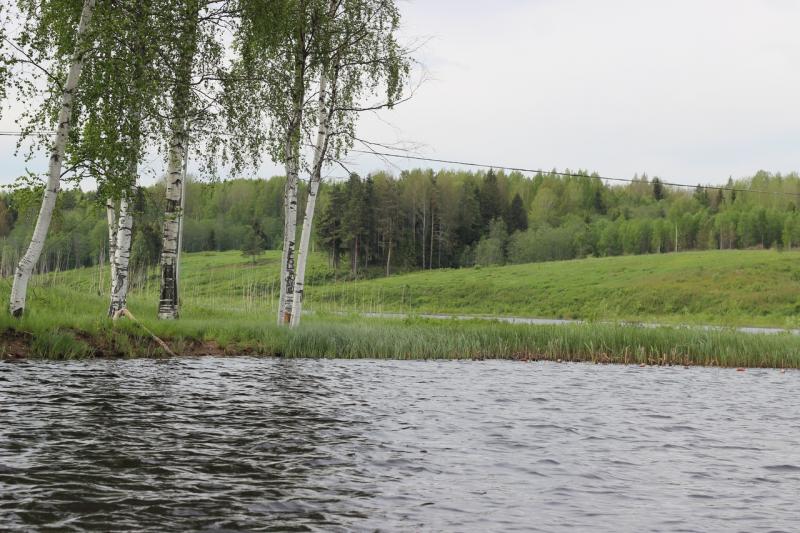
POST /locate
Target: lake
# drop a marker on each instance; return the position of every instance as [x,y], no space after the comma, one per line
[230,444]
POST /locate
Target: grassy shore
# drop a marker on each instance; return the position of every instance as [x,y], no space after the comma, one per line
[229,308]
[64,336]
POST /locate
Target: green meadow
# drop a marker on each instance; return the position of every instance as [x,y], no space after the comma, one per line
[229,306]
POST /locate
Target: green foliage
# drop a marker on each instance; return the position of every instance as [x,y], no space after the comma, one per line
[517,215]
[491,200]
[421,219]
[253,245]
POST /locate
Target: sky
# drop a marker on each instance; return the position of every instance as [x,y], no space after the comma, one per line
[691,91]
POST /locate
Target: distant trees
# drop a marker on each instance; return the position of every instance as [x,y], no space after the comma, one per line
[658,190]
[383,224]
[253,245]
[570,217]
[517,215]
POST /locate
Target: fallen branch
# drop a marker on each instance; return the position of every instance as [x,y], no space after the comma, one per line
[128,314]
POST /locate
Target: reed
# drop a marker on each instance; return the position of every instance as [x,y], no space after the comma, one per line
[57,337]
[229,305]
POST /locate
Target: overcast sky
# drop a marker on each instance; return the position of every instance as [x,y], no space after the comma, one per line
[690,90]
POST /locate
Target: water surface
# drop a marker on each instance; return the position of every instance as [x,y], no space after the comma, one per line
[216,444]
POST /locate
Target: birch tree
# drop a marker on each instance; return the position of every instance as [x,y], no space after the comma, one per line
[359,55]
[107,101]
[286,47]
[186,47]
[195,67]
[116,121]
[299,57]
[132,87]
[24,269]
[268,95]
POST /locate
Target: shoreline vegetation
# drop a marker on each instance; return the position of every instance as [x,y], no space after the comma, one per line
[224,313]
[413,338]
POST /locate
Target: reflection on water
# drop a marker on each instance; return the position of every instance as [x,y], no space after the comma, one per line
[265,444]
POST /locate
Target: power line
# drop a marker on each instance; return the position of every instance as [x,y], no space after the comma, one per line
[514,169]
[20,134]
[566,174]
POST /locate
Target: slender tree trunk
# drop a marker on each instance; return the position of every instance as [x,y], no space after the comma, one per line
[112,237]
[121,261]
[439,251]
[302,254]
[424,233]
[311,202]
[389,259]
[180,218]
[168,301]
[414,224]
[355,257]
[676,238]
[293,139]
[289,235]
[430,257]
[26,265]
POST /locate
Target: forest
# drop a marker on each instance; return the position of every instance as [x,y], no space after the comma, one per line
[425,219]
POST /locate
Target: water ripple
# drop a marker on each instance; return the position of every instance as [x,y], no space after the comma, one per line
[233,444]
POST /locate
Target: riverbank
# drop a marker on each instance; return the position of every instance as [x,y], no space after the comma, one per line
[358,338]
[229,308]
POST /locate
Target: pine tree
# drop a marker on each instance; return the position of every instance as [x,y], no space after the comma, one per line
[330,229]
[491,201]
[658,190]
[517,215]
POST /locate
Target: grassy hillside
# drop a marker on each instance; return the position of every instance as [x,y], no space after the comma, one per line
[229,304]
[759,288]
[717,287]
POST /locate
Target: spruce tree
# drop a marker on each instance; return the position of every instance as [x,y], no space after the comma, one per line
[517,215]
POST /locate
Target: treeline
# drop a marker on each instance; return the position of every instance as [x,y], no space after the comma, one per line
[423,219]
[233,215]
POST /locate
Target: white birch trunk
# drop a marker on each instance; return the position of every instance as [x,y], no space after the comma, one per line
[26,265]
[313,189]
[180,219]
[121,260]
[168,301]
[289,236]
[112,237]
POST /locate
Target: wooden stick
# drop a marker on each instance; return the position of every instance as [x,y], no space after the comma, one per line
[128,314]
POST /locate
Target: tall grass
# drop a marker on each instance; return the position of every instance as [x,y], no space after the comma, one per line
[229,307]
[729,288]
[336,337]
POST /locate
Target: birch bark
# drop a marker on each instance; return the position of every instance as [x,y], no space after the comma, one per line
[313,189]
[293,134]
[111,215]
[122,255]
[168,301]
[24,270]
[168,305]
[289,236]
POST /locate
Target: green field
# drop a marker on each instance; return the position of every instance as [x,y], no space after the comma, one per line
[229,306]
[729,288]
[733,288]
